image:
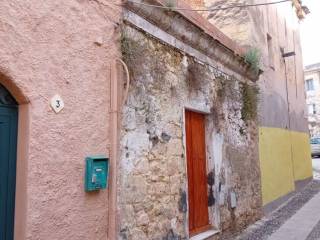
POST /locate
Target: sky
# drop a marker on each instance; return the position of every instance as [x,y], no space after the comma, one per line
[310,33]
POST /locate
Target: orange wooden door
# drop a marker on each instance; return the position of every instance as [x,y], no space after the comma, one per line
[197,174]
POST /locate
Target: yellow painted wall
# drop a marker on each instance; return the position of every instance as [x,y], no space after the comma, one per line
[275,163]
[301,155]
[278,169]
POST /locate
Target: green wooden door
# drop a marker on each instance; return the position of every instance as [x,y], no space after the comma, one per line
[8,154]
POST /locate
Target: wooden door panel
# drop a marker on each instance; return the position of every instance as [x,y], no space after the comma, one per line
[4,146]
[196,169]
[8,145]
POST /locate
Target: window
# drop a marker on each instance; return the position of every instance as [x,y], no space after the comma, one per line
[312,109]
[309,84]
[270,51]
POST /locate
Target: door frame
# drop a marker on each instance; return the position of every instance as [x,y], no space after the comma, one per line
[20,215]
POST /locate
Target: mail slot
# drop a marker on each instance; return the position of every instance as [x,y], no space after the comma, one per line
[97,168]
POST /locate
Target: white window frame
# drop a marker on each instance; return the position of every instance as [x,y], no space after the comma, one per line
[310,84]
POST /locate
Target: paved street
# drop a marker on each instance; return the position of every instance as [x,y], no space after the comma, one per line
[305,223]
[297,219]
[276,221]
[301,224]
[315,233]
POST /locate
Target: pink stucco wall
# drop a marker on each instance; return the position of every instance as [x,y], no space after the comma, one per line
[59,47]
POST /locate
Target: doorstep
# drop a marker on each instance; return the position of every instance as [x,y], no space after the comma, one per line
[205,235]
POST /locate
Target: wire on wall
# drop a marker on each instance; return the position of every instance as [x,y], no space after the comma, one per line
[208,9]
[128,80]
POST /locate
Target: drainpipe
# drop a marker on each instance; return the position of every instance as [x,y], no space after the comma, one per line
[116,102]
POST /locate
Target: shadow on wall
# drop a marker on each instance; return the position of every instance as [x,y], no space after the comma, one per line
[275,114]
[9,84]
[272,105]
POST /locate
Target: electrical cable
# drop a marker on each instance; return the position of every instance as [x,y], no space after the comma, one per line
[207,9]
[128,80]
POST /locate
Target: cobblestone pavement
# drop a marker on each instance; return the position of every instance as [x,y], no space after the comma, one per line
[301,224]
[262,229]
[315,234]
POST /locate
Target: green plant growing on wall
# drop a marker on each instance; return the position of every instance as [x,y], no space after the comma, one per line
[253,57]
[250,100]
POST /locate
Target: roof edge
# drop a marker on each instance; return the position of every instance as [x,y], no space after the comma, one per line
[206,30]
[206,26]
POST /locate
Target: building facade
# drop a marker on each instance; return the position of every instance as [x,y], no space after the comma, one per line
[166,96]
[273,31]
[51,48]
[312,86]
[189,160]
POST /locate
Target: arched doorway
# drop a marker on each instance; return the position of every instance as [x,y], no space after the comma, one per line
[8,159]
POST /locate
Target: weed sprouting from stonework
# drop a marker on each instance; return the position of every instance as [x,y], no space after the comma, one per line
[253,57]
[250,101]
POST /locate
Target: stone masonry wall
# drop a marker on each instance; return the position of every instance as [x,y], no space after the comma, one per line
[153,179]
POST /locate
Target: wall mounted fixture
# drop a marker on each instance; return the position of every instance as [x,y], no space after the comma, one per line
[288,54]
[97,169]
